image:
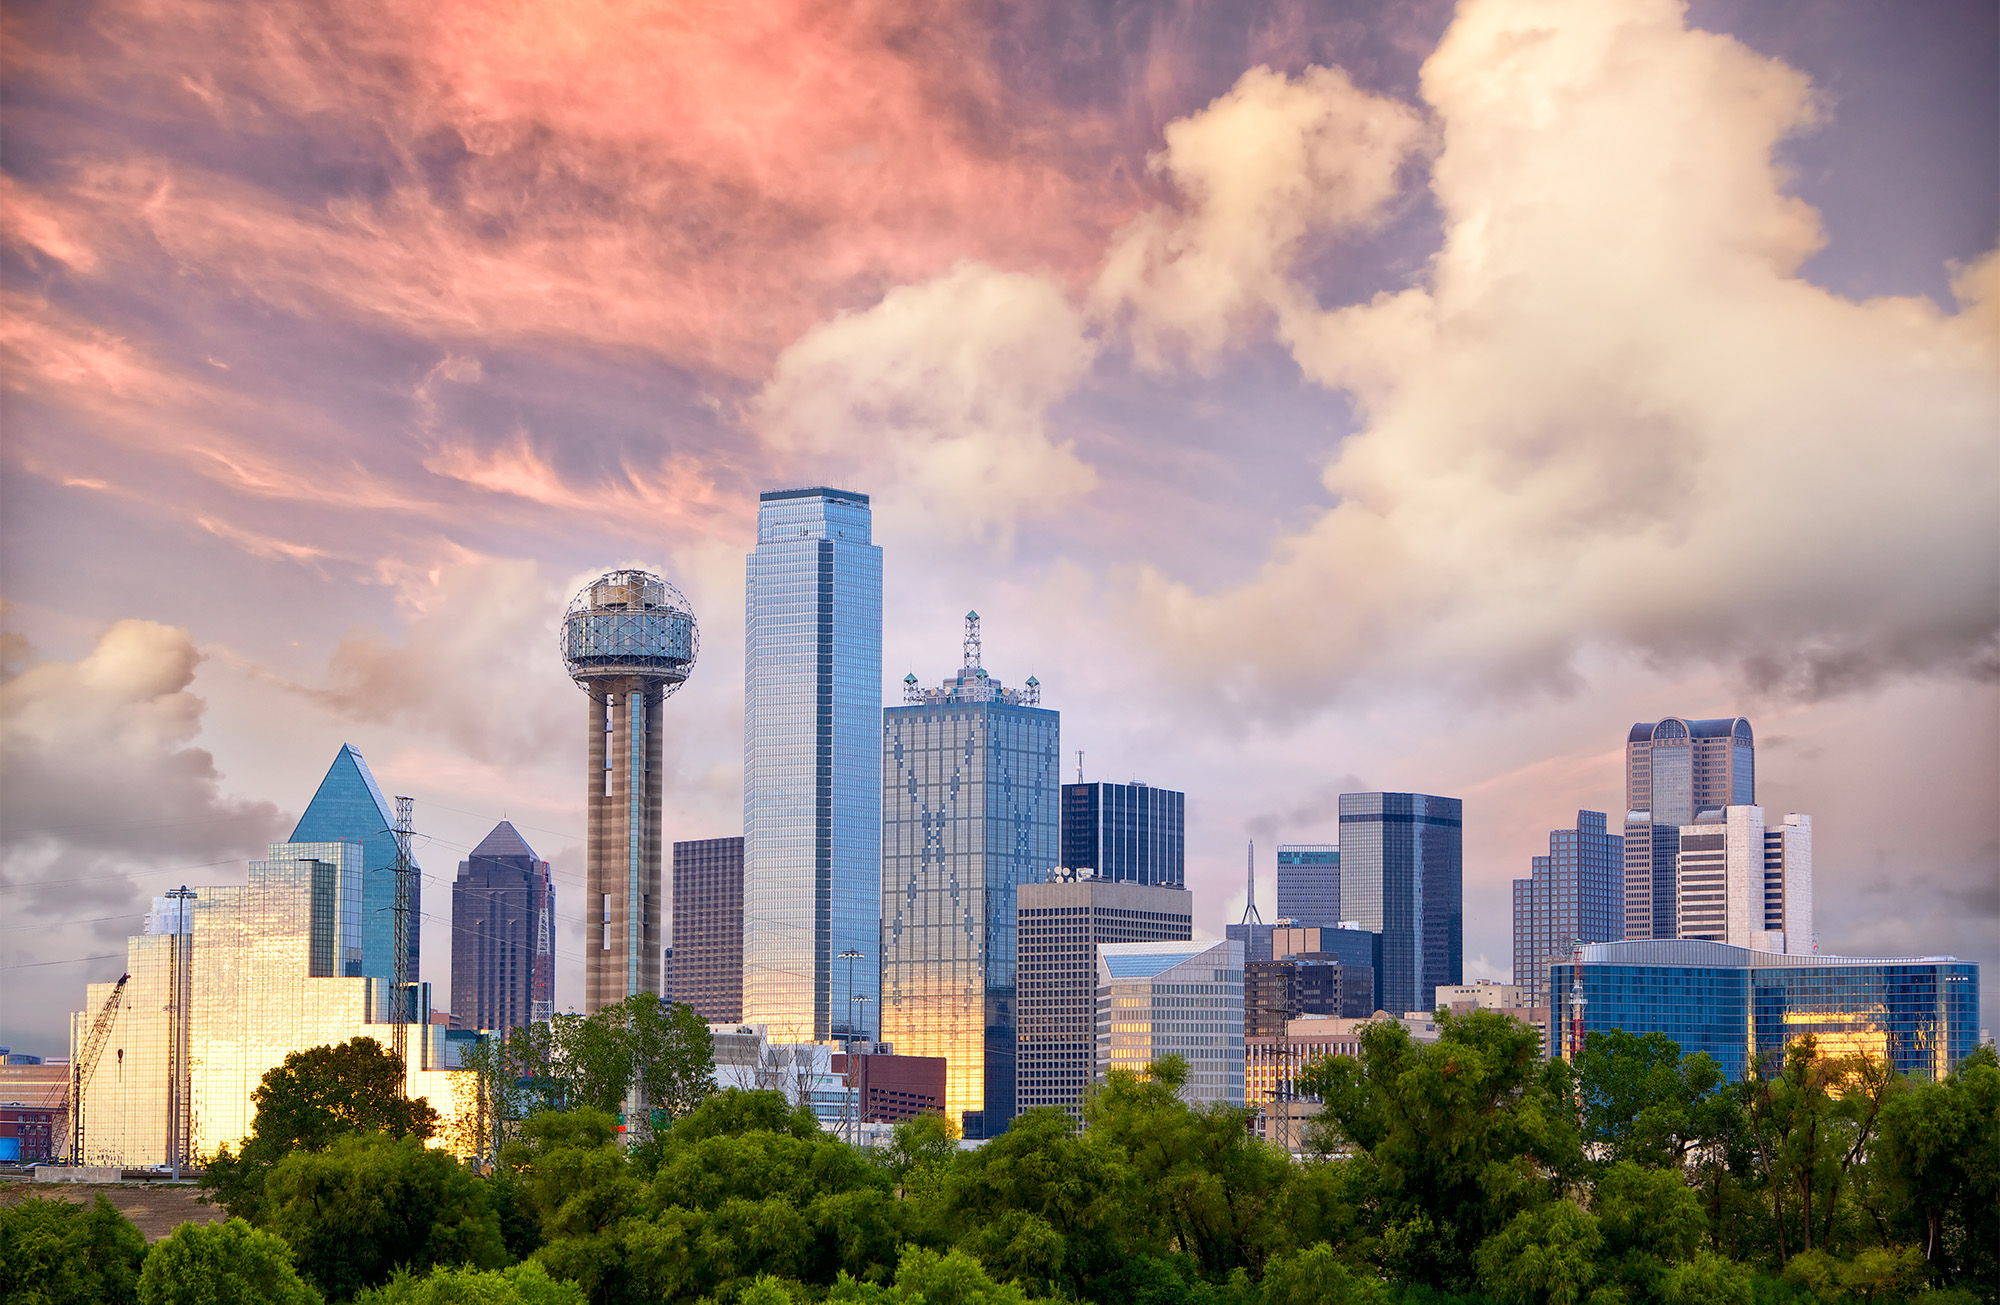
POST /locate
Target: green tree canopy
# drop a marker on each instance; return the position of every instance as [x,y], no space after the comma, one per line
[55,1252]
[222,1264]
[520,1284]
[1643,1100]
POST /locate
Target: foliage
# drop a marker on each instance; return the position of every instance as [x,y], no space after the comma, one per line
[520,1284]
[1316,1276]
[371,1204]
[1547,1256]
[222,1264]
[1938,1170]
[925,1277]
[304,1104]
[1644,1101]
[55,1252]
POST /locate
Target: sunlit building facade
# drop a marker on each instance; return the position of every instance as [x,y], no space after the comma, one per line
[1402,876]
[272,969]
[1743,882]
[1181,999]
[503,935]
[349,807]
[1745,1007]
[812,767]
[970,794]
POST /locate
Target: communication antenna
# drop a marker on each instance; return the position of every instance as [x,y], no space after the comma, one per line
[405,900]
[971,641]
[1250,915]
[1079,765]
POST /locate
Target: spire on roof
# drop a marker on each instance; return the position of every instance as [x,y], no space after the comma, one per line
[505,840]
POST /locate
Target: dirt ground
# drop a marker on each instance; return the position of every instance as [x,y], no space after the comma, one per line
[156,1208]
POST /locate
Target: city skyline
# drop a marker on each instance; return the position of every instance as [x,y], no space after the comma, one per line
[309,439]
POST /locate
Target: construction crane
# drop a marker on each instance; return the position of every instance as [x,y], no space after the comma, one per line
[87,1054]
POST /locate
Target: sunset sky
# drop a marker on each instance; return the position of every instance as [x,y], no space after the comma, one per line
[1314,397]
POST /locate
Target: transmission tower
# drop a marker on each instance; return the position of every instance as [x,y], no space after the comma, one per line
[405,927]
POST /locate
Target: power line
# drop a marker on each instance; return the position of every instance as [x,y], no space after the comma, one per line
[73,960]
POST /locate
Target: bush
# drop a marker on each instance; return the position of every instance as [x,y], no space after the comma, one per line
[522,1284]
[54,1252]
[222,1264]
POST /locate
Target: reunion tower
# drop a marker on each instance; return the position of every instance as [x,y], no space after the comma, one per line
[628,640]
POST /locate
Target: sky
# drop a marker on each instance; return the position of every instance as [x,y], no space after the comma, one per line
[1313,397]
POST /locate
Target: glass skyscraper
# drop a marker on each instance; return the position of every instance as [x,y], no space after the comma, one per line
[1676,769]
[1574,894]
[1181,999]
[349,808]
[1309,884]
[503,935]
[1126,833]
[970,790]
[1742,1006]
[1401,875]
[812,765]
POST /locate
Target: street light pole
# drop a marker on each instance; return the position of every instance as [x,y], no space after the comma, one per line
[851,955]
[854,1088]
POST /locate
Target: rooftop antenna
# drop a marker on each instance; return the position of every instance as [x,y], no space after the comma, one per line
[1079,765]
[1250,915]
[971,641]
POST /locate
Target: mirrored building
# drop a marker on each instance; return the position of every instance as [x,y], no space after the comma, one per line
[1574,894]
[1126,833]
[970,789]
[1402,876]
[1309,884]
[812,765]
[349,807]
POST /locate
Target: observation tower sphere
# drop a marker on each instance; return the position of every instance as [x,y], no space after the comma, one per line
[628,640]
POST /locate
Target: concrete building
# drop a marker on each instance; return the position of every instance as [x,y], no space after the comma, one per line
[1174,999]
[503,939]
[1060,926]
[1744,1007]
[1126,833]
[970,812]
[707,895]
[1574,894]
[1676,769]
[1744,883]
[629,641]
[1401,875]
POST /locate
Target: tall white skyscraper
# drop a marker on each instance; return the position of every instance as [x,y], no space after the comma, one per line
[1746,883]
[812,766]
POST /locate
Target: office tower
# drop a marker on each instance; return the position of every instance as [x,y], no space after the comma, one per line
[708,928]
[1675,769]
[629,641]
[273,967]
[970,812]
[1061,926]
[1358,949]
[1743,1006]
[1741,882]
[503,935]
[1297,986]
[1309,884]
[1574,894]
[812,766]
[1127,833]
[1401,872]
[348,807]
[1183,999]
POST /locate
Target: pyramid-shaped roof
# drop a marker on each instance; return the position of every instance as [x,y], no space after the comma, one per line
[505,840]
[348,804]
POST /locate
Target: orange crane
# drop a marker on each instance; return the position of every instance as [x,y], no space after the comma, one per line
[87,1054]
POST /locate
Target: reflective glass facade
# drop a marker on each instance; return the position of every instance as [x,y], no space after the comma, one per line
[503,942]
[1174,999]
[812,764]
[1127,833]
[1402,875]
[1309,884]
[257,993]
[350,808]
[1741,1006]
[1574,894]
[970,794]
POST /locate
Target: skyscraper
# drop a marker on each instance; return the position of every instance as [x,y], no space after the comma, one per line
[1181,999]
[812,764]
[970,800]
[629,641]
[503,941]
[1127,833]
[708,928]
[1309,884]
[1744,883]
[1675,769]
[1401,875]
[1061,926]
[1574,894]
[349,808]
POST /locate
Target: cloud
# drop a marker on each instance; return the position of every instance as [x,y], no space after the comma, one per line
[1271,162]
[1613,415]
[939,393]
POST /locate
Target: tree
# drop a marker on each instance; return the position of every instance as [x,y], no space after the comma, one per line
[369,1204]
[55,1252]
[1936,1168]
[222,1264]
[312,1098]
[1546,1256]
[1811,1124]
[672,1055]
[520,1284]
[1316,1276]
[1643,1100]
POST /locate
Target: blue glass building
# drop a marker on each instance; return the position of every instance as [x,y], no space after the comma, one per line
[1402,876]
[970,812]
[812,764]
[1574,894]
[349,808]
[1309,884]
[1126,833]
[1744,1007]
